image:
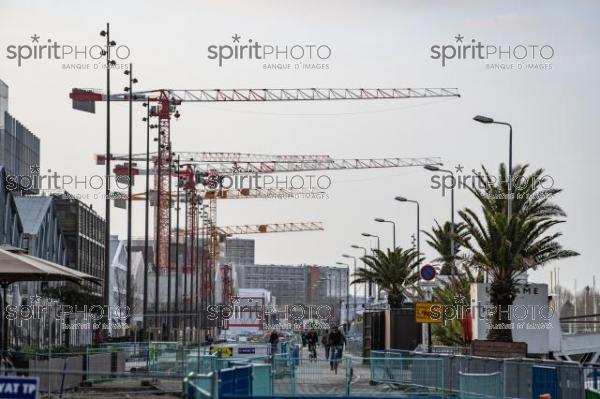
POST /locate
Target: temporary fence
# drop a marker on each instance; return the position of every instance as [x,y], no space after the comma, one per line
[396,373]
[199,386]
[481,385]
[386,373]
[521,378]
[408,371]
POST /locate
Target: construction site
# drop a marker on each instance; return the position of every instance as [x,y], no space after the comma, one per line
[281,199]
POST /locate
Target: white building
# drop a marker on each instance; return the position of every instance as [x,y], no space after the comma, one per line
[532,317]
[118,286]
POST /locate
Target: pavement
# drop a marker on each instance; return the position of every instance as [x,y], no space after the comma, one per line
[316,377]
[312,377]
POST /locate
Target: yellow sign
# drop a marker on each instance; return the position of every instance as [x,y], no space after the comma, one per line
[427,312]
[224,351]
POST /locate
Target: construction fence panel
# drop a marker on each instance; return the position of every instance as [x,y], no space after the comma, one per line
[481,385]
[262,383]
[517,373]
[423,372]
[199,386]
[519,382]
[544,381]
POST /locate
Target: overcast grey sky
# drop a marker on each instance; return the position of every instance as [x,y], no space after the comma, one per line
[374,44]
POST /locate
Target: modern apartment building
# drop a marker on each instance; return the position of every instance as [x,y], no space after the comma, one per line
[83,231]
[19,147]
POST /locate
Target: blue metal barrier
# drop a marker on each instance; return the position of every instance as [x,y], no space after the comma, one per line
[235,382]
[544,381]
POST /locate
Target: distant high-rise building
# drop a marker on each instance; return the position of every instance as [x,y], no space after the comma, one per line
[238,251]
[19,147]
[3,102]
[291,284]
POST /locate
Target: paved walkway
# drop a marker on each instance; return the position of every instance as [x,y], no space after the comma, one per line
[316,377]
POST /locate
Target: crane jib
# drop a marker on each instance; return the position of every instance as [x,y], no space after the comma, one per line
[84,99]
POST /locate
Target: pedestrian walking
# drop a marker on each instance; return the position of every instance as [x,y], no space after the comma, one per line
[325,342]
[274,340]
[337,341]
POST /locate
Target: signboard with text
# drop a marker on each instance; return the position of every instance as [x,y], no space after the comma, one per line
[223,351]
[19,387]
[428,312]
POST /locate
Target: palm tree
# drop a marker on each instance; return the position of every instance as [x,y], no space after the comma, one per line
[440,239]
[455,292]
[394,271]
[531,198]
[507,248]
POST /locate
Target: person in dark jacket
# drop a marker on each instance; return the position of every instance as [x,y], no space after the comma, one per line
[312,339]
[336,342]
[274,340]
[325,342]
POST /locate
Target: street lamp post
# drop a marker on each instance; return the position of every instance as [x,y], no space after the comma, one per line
[380,220]
[434,168]
[347,292]
[373,235]
[371,286]
[354,290]
[146,220]
[487,120]
[109,64]
[205,237]
[169,262]
[364,264]
[185,266]
[129,297]
[177,270]
[402,199]
[197,278]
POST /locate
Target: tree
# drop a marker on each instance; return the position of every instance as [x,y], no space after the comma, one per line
[454,292]
[532,194]
[394,271]
[505,248]
[440,239]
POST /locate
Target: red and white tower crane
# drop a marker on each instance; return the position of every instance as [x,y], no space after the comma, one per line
[167,102]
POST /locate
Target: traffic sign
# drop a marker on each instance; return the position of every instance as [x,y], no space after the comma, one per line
[428,272]
[428,312]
